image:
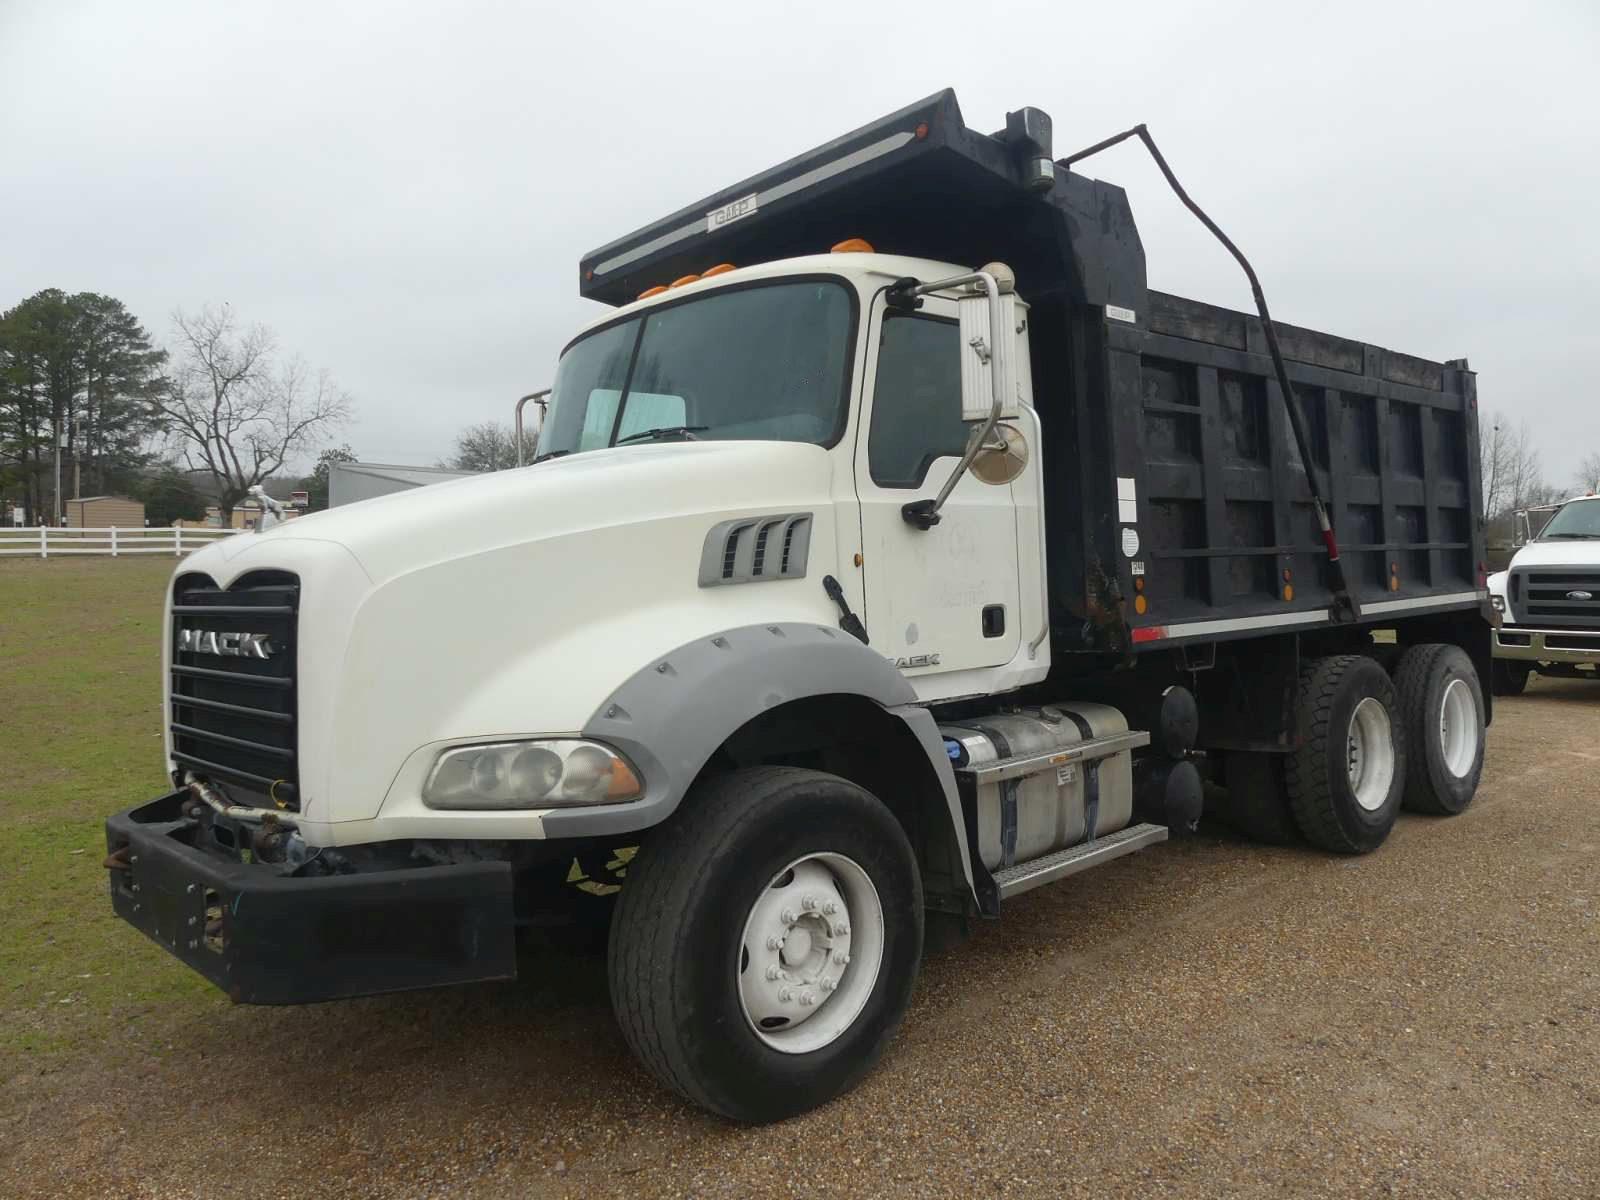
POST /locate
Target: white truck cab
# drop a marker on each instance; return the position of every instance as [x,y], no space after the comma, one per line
[1548,599]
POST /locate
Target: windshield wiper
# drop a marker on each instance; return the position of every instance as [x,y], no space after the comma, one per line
[664,431]
[1579,536]
[548,454]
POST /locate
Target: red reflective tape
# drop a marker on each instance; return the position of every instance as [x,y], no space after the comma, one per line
[1150,633]
[1333,546]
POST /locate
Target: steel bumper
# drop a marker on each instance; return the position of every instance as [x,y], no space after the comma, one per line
[1547,645]
[264,937]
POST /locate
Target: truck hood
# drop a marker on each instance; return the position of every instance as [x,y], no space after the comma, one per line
[511,605]
[1565,552]
[600,489]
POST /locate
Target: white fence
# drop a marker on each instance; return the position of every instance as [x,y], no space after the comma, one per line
[42,541]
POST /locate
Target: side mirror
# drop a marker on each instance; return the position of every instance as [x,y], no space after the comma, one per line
[988,356]
[987,308]
[1524,530]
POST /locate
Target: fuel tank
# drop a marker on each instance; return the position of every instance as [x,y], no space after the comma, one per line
[1022,819]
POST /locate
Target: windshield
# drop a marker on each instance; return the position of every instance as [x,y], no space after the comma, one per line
[767,362]
[1579,519]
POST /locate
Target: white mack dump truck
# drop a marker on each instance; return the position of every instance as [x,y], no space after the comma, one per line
[850,592]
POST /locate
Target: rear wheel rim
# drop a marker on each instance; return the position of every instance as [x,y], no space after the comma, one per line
[1370,754]
[1458,728]
[811,952]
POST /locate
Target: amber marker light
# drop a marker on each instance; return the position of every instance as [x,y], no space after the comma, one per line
[719,269]
[1140,604]
[684,281]
[655,291]
[852,246]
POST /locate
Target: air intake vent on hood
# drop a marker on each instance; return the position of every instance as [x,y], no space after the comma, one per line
[756,549]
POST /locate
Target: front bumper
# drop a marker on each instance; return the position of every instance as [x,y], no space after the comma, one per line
[1547,645]
[264,937]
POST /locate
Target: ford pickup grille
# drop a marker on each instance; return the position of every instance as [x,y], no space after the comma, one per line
[234,701]
[1556,598]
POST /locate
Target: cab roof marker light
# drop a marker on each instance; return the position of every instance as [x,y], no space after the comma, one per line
[684,281]
[852,246]
[719,269]
[655,291]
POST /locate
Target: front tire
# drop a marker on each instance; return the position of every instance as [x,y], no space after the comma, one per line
[1510,677]
[1441,703]
[1348,770]
[765,945]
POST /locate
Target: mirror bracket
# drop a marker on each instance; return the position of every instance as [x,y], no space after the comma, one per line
[924,514]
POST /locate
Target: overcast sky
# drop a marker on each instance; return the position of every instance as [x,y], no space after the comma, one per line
[402,191]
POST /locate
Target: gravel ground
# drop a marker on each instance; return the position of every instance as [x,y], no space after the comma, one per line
[1206,1018]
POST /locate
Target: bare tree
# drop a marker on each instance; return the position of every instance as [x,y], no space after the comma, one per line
[490,446]
[1589,474]
[236,410]
[1513,476]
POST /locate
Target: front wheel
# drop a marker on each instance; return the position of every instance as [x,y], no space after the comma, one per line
[766,942]
[1510,677]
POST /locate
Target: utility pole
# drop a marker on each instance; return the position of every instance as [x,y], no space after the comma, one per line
[58,516]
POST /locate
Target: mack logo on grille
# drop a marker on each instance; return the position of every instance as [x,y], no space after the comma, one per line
[1580,595]
[229,645]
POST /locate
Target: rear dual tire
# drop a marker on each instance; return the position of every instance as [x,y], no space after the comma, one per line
[1441,704]
[1345,778]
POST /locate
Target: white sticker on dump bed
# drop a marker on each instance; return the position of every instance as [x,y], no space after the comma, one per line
[1117,313]
[1130,542]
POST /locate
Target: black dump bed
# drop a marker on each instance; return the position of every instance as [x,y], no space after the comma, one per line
[1169,468]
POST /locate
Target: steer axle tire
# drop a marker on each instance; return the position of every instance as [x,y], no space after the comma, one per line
[1440,702]
[766,942]
[1347,773]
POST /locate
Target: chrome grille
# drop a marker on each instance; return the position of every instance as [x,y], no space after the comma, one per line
[234,698]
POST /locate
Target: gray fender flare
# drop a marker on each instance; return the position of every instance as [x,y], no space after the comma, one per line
[670,716]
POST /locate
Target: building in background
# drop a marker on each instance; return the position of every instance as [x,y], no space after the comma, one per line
[105,512]
[352,481]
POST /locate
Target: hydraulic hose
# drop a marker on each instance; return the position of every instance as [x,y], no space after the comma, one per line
[1345,607]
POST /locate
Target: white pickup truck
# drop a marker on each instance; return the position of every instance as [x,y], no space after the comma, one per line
[1549,601]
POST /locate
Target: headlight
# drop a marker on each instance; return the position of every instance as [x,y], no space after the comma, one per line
[544,774]
[1499,603]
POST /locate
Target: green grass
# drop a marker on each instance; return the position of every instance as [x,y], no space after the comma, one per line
[80,737]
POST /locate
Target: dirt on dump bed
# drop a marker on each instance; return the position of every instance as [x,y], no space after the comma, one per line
[1209,1017]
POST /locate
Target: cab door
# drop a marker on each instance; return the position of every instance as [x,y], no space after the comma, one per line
[945,599]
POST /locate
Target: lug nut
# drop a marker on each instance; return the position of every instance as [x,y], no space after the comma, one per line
[831,907]
[809,903]
[772,974]
[788,916]
[829,984]
[785,995]
[807,999]
[840,957]
[841,928]
[774,943]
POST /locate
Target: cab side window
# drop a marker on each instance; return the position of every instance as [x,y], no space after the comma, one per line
[916,403]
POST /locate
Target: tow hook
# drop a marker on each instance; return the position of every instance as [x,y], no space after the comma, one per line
[117,860]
